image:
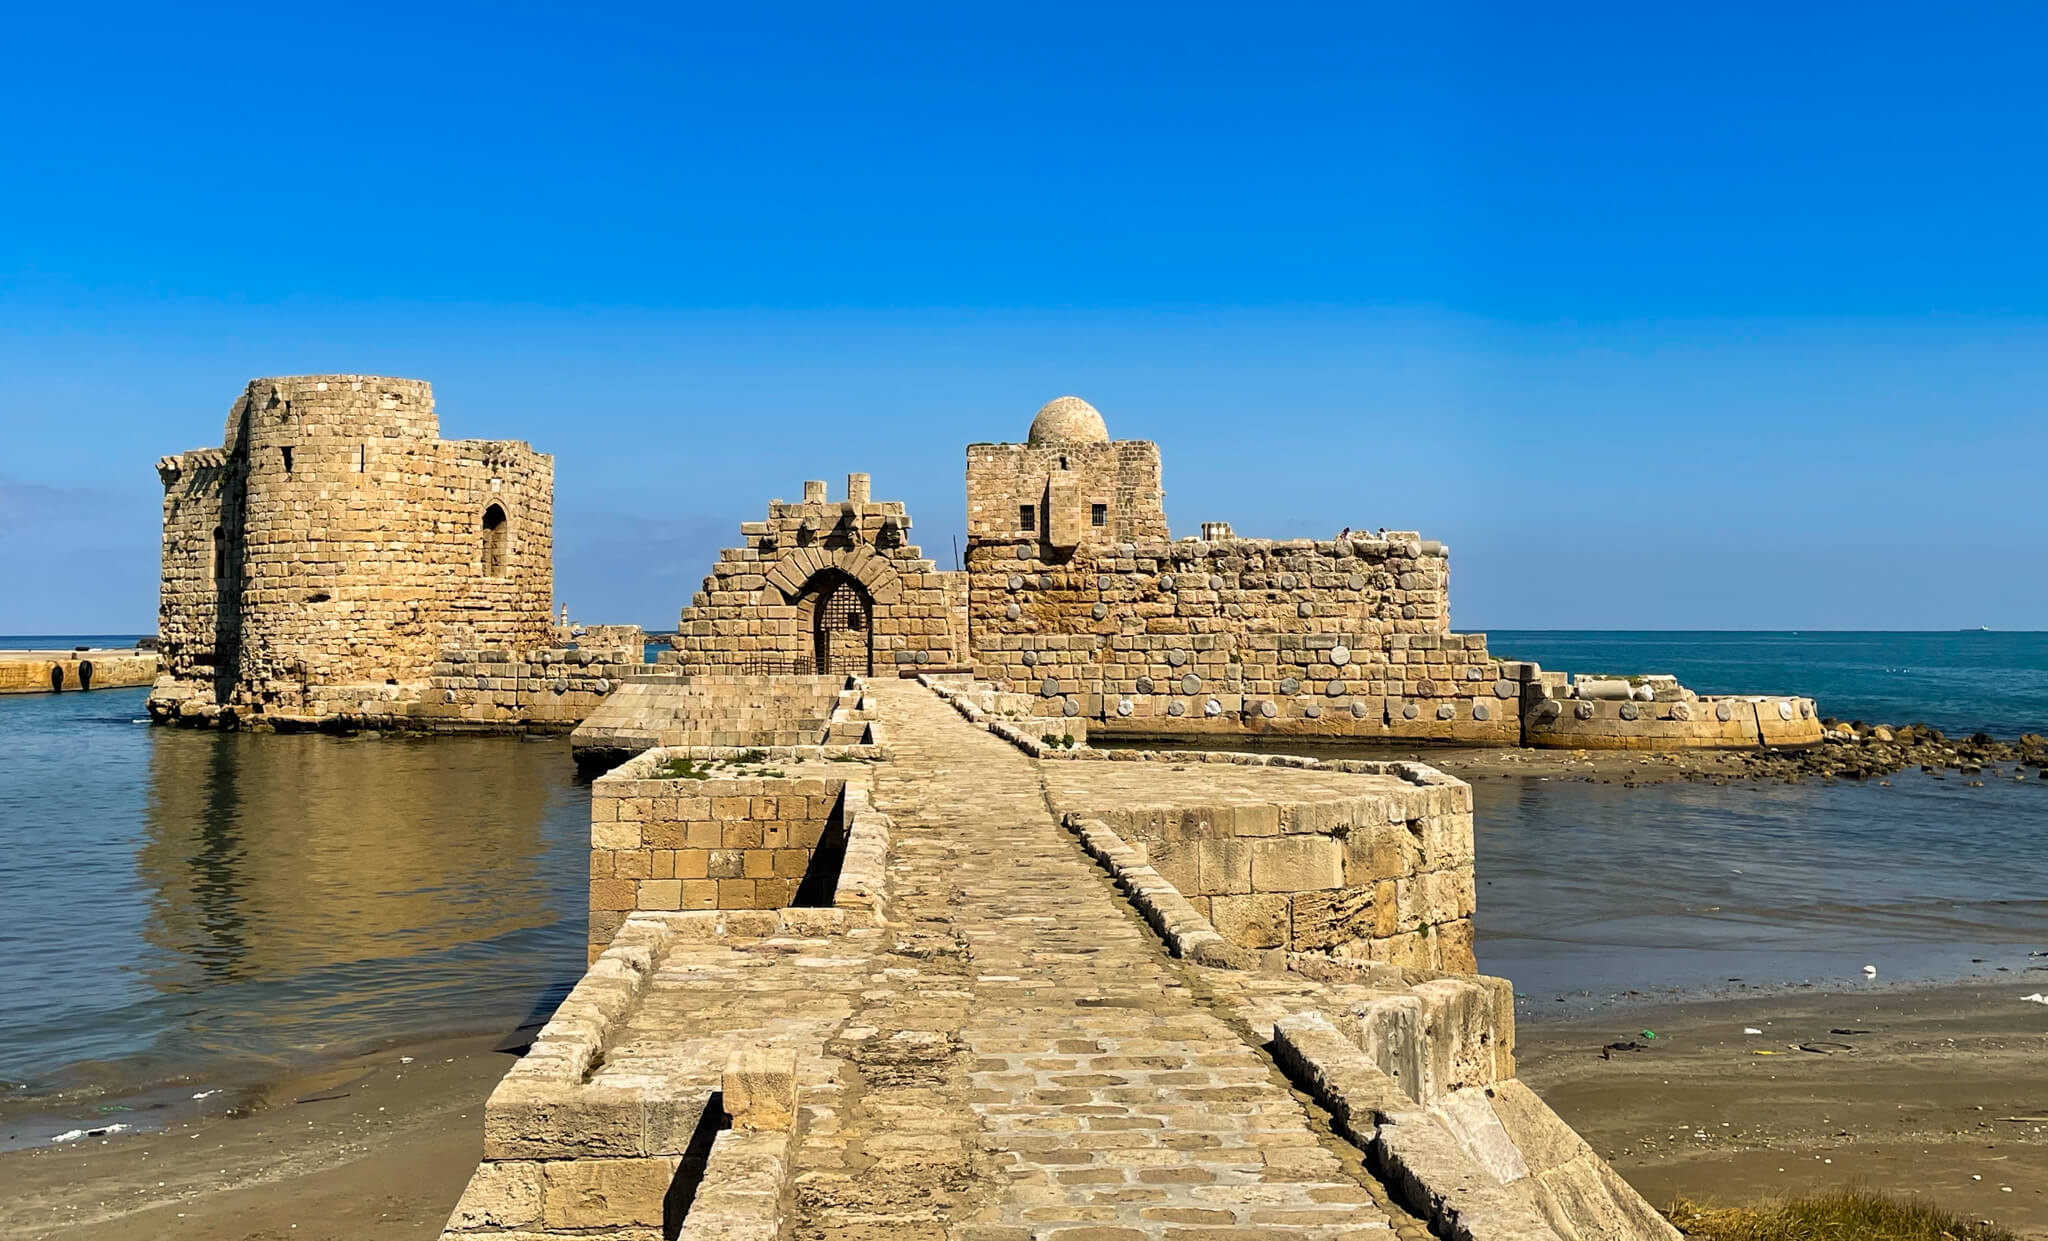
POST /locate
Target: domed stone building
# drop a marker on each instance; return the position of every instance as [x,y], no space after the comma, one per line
[1068,420]
[1066,485]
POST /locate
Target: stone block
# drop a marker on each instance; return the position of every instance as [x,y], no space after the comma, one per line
[1251,921]
[1334,916]
[1224,865]
[1297,863]
[612,893]
[606,1193]
[500,1195]
[759,1088]
[660,894]
[615,835]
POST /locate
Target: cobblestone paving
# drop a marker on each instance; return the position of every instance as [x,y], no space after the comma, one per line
[1028,1064]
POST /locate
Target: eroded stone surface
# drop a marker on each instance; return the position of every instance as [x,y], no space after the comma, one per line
[1106,1093]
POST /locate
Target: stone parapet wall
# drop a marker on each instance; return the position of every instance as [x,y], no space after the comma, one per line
[1345,637]
[583,1139]
[335,541]
[1366,860]
[676,829]
[1470,1149]
[1375,864]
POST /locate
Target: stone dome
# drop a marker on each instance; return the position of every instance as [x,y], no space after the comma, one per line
[1068,420]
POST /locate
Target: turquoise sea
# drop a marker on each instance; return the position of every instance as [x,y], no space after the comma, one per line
[1959,682]
[195,907]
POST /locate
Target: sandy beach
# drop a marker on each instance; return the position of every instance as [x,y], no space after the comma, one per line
[370,1148]
[1940,1094]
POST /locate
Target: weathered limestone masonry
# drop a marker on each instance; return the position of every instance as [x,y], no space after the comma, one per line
[334,545]
[978,1038]
[1078,598]
[745,803]
[1365,860]
[737,711]
[670,832]
[45,672]
[825,588]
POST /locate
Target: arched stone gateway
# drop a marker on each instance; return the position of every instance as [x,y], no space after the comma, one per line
[796,572]
[761,607]
[838,613]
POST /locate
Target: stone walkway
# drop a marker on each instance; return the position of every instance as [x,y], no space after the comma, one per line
[1027,1064]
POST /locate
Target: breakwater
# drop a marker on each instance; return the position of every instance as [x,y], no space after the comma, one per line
[84,668]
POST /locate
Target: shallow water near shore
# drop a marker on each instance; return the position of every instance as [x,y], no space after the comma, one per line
[1595,894]
[215,909]
[222,908]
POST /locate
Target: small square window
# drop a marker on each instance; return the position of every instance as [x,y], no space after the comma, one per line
[1027,517]
[1098,514]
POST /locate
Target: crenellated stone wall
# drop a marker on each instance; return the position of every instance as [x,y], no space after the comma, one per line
[334,545]
[824,588]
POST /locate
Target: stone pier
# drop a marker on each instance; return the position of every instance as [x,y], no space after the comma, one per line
[46,672]
[1015,1028]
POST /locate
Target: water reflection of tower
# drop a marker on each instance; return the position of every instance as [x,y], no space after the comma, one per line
[270,856]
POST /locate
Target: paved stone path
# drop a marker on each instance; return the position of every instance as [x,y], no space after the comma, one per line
[1027,1064]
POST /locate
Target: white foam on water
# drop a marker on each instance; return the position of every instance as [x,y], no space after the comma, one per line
[73,1135]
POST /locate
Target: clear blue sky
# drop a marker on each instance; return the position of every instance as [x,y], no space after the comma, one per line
[1734,317]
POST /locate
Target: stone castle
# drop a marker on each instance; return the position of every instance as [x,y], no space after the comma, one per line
[336,563]
[888,938]
[334,545]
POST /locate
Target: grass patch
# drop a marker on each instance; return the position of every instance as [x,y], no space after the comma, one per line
[751,763]
[1838,1215]
[1058,741]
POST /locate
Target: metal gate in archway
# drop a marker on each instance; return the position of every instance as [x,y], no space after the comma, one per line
[841,628]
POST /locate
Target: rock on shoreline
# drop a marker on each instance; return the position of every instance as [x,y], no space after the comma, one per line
[1856,750]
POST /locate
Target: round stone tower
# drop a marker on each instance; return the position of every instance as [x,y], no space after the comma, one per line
[336,543]
[329,566]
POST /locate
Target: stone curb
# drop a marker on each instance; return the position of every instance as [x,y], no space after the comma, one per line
[1186,932]
[746,1182]
[1406,1147]
[1421,774]
[862,890]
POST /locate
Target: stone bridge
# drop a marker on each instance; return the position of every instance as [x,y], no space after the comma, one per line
[1009,1022]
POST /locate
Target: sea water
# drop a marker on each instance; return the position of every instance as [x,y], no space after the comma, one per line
[1960,682]
[184,904]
